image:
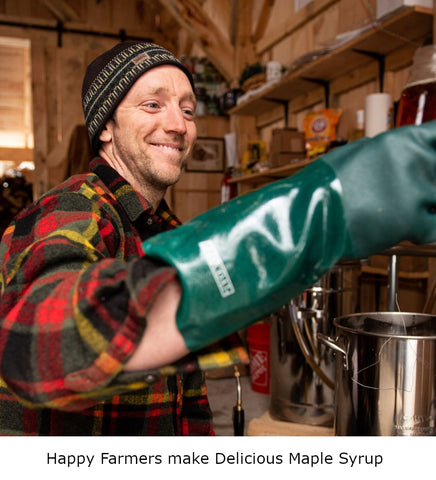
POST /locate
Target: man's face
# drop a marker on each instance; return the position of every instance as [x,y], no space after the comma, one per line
[153,130]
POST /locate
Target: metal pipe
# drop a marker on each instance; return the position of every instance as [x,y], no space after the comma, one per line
[392,283]
[60,29]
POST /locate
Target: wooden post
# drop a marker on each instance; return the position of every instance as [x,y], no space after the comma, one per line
[244,127]
[202,29]
[434,23]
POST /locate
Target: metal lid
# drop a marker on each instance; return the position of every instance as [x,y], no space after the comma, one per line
[389,324]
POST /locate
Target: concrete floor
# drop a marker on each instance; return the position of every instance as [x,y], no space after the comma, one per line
[222,395]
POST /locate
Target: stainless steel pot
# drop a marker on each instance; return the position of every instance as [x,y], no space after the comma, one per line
[303,369]
[385,373]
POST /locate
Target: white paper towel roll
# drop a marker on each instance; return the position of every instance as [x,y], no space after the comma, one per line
[378,113]
[231,149]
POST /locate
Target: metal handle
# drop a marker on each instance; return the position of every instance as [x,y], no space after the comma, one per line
[281,336]
[238,411]
[305,349]
[330,342]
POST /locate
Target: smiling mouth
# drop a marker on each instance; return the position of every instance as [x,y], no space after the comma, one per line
[169,147]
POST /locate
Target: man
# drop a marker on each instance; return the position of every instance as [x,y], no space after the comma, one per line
[89,290]
[103,299]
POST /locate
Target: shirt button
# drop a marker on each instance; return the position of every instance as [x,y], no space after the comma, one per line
[149,221]
[150,378]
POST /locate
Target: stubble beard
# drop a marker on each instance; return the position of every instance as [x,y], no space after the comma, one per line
[159,180]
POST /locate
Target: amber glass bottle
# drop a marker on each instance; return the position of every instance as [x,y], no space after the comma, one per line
[418,99]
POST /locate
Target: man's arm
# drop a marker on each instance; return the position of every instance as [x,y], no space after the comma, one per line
[162,342]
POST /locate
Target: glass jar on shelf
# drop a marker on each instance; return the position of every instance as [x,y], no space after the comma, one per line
[418,99]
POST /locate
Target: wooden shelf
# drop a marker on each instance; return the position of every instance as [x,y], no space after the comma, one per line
[410,250]
[383,272]
[396,39]
[271,174]
[266,425]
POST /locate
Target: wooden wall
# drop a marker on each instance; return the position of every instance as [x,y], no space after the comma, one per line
[57,81]
[289,37]
[231,33]
[59,57]
[197,192]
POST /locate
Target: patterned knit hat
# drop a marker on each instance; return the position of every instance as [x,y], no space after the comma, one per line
[110,76]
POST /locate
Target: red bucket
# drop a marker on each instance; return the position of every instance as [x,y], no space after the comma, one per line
[258,339]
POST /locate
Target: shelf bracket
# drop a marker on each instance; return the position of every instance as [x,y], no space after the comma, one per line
[381,64]
[325,84]
[284,104]
[59,30]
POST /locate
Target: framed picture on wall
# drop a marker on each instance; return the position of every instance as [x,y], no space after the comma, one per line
[207,155]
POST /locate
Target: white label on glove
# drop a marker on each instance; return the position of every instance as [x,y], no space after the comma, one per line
[217,268]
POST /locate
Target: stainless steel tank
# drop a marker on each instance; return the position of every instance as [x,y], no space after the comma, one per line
[302,368]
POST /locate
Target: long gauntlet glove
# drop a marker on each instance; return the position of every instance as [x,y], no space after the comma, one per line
[248,257]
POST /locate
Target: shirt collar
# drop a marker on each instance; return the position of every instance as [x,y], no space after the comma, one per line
[134,204]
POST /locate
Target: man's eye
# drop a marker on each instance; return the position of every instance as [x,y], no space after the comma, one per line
[189,111]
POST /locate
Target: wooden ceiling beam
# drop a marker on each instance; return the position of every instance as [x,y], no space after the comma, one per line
[292,23]
[61,10]
[233,24]
[244,46]
[263,19]
[192,17]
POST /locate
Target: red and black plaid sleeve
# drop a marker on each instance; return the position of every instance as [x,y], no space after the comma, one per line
[73,306]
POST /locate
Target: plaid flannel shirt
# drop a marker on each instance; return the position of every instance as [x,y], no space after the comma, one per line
[75,292]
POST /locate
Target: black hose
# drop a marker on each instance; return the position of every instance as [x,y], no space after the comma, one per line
[238,421]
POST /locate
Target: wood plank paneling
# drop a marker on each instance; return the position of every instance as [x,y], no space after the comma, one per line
[197,192]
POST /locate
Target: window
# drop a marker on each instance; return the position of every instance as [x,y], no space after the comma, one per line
[16,126]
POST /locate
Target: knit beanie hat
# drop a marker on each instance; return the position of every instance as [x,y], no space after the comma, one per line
[110,76]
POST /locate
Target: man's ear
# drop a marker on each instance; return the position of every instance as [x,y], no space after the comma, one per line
[106,133]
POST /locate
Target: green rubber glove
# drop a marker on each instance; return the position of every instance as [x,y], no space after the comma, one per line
[388,188]
[246,258]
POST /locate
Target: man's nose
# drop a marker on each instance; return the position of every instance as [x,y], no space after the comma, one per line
[175,120]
